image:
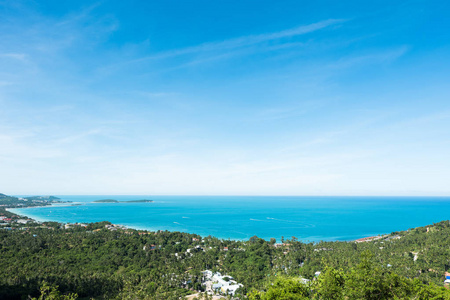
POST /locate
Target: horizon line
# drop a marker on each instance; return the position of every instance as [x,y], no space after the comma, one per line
[231,195]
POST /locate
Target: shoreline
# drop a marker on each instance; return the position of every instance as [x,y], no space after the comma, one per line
[39,219]
[307,221]
[144,228]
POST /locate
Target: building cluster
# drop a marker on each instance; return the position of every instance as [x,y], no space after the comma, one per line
[16,223]
[393,237]
[447,280]
[114,227]
[323,249]
[150,247]
[6,223]
[13,205]
[378,237]
[190,252]
[69,225]
[284,246]
[368,239]
[218,283]
[5,219]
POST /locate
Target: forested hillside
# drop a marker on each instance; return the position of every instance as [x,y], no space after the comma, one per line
[105,262]
[11,201]
[368,280]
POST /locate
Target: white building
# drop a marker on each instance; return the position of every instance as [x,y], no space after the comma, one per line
[207,274]
[218,282]
[304,280]
[230,289]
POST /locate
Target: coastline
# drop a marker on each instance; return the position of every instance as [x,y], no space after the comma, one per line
[40,219]
[235,218]
[313,239]
[163,243]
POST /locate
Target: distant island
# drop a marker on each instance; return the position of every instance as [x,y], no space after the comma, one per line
[117,201]
[106,201]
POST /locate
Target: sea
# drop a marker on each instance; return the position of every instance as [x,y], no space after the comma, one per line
[309,219]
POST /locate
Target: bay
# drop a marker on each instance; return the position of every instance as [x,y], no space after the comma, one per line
[241,217]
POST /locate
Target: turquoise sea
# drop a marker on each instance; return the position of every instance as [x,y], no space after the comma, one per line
[240,217]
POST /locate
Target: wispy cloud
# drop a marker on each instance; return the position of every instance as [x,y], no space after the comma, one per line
[5,83]
[15,148]
[220,50]
[15,56]
[245,41]
[285,112]
[79,136]
[238,51]
[79,16]
[157,94]
[382,56]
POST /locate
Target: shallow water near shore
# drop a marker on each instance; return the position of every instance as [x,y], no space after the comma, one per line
[241,217]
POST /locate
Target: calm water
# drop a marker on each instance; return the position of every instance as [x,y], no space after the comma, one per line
[237,217]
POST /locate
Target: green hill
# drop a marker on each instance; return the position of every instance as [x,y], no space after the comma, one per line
[11,201]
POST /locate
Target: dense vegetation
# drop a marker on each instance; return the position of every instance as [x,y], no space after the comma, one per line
[368,280]
[103,262]
[9,201]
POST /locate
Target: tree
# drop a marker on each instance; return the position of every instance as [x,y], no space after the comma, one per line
[283,289]
[331,284]
[50,292]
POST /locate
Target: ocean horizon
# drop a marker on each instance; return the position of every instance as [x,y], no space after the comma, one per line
[308,218]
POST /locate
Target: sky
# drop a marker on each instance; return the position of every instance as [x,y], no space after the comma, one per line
[253,97]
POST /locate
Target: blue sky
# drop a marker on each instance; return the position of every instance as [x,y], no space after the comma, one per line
[225,97]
